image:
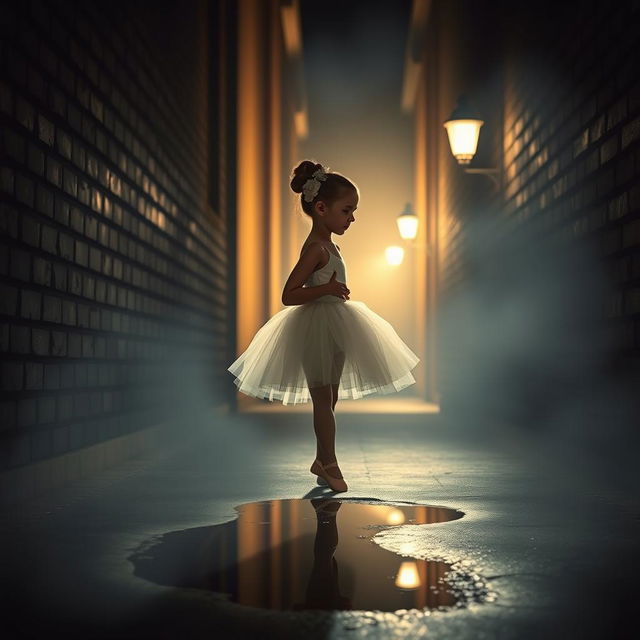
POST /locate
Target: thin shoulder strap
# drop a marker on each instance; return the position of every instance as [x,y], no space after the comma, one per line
[325,248]
[317,242]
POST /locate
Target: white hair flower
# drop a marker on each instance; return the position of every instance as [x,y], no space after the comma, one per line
[312,185]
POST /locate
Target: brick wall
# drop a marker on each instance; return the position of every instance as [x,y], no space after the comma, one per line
[115,247]
[572,156]
[541,278]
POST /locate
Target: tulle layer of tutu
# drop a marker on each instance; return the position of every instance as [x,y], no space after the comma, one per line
[321,343]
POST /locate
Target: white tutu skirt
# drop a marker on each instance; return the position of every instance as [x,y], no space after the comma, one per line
[319,343]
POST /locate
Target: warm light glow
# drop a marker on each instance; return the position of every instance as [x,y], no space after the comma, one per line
[395,516]
[291,29]
[301,124]
[408,577]
[394,255]
[463,138]
[408,223]
[251,219]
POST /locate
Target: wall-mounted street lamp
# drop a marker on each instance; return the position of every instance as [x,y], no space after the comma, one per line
[463,130]
[407,222]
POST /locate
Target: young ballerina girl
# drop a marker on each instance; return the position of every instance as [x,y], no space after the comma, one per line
[323,346]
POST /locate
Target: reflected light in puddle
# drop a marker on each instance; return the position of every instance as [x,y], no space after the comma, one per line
[395,517]
[301,554]
[408,577]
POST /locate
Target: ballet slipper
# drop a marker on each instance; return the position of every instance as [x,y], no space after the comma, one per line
[337,484]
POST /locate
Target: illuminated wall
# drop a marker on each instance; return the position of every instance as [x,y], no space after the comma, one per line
[272,119]
[267,142]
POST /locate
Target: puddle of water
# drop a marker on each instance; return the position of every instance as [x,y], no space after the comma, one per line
[303,554]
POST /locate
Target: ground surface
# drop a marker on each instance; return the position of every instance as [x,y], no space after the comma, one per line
[555,541]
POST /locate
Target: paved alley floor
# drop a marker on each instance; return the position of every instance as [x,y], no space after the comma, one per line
[555,542]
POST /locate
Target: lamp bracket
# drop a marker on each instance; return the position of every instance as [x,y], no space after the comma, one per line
[493,173]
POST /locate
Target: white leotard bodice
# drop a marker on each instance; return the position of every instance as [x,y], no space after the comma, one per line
[323,275]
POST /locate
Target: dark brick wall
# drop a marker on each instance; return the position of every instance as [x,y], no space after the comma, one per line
[541,277]
[114,268]
[572,143]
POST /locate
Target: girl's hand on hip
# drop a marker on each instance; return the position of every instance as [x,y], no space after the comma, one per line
[336,288]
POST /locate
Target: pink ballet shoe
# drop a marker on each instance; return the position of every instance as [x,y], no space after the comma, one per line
[315,468]
[337,484]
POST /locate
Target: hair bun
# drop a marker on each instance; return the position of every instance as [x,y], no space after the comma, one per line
[302,173]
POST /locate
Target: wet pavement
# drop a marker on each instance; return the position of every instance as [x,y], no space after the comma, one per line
[448,530]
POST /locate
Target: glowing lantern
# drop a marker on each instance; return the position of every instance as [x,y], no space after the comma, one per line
[463,129]
[407,223]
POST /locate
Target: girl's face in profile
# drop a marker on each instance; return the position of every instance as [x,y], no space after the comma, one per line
[339,216]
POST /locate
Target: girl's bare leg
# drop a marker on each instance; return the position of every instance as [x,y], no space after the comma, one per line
[334,394]
[326,453]
[324,423]
[338,363]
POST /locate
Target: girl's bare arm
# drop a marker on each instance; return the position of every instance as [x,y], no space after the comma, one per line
[294,292]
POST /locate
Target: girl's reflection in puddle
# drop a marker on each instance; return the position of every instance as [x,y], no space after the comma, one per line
[323,590]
